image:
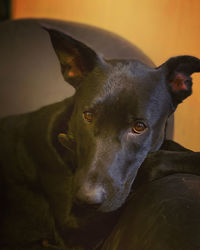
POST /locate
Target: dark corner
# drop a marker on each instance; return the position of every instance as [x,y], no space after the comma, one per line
[5,9]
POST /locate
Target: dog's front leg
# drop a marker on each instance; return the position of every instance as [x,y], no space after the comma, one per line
[163,163]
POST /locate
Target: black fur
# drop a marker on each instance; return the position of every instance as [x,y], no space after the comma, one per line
[63,175]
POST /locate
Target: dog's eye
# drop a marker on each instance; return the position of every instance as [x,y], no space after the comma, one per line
[139,127]
[88,116]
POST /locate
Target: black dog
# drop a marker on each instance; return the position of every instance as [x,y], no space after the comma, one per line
[61,197]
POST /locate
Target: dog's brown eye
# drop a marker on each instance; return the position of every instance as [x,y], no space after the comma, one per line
[88,116]
[139,127]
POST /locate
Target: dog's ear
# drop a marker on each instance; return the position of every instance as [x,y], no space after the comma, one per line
[177,71]
[76,59]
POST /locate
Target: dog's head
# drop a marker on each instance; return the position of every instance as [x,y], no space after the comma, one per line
[119,116]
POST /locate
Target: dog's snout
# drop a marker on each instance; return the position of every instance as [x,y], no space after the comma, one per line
[91,195]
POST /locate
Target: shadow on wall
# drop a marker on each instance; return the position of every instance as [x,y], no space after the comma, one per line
[5,9]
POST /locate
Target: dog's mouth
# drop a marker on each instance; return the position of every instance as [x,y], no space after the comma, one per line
[108,206]
[113,200]
[86,206]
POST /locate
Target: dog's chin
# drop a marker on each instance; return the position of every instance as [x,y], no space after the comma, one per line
[105,207]
[108,209]
[111,205]
[115,201]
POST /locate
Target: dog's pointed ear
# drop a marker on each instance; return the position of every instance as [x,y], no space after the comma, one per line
[76,59]
[177,72]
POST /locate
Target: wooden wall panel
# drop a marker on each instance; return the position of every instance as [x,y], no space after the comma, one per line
[160,28]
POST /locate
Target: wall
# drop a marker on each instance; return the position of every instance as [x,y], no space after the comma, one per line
[160,28]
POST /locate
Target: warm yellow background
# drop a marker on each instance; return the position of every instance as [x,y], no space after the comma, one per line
[161,28]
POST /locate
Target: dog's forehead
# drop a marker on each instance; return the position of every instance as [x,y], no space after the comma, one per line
[128,75]
[129,80]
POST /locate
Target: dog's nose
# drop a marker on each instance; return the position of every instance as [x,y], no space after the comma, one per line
[91,195]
